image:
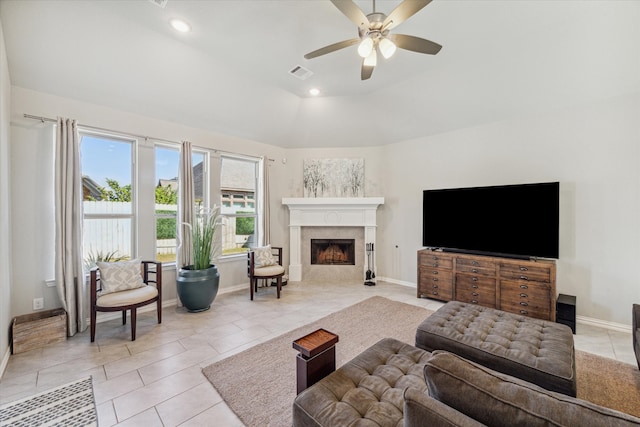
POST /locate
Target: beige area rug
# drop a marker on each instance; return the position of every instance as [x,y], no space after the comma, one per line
[259,384]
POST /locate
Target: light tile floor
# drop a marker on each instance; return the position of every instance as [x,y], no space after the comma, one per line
[157,380]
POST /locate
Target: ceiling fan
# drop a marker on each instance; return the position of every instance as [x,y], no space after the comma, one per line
[374,34]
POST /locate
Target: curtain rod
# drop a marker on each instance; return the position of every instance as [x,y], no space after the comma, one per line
[49,119]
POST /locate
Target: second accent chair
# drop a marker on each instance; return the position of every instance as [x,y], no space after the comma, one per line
[264,263]
[125,286]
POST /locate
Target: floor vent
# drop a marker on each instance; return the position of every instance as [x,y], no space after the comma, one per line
[300,72]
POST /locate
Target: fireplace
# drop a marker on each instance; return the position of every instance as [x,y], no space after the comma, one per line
[333,252]
[337,218]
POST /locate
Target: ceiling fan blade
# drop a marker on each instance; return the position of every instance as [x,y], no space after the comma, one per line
[415,44]
[332,48]
[404,11]
[366,71]
[353,12]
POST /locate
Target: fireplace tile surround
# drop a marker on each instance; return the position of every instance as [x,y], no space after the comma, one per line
[348,217]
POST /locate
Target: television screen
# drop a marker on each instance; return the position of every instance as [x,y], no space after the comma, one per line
[511,220]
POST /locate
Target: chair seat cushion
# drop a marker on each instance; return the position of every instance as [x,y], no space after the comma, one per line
[269,271]
[133,296]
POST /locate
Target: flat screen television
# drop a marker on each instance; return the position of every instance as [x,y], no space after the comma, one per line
[518,221]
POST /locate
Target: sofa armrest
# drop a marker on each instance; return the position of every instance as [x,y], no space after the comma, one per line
[420,409]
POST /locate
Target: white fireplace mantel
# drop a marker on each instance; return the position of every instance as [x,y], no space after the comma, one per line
[328,212]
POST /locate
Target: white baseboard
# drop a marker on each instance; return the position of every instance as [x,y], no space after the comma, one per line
[619,327]
[5,361]
[397,282]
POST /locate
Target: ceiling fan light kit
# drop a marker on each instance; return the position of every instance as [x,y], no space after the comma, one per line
[373,34]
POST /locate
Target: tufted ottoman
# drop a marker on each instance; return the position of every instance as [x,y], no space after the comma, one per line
[368,390]
[534,350]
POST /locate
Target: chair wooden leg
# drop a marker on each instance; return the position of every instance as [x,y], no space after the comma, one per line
[279,285]
[159,303]
[251,287]
[133,323]
[93,324]
[124,317]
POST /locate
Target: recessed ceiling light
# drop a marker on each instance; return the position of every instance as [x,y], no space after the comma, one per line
[314,91]
[180,25]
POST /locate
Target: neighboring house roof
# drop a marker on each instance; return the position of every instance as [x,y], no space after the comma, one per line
[90,189]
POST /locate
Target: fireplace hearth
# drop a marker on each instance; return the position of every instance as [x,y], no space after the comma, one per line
[333,252]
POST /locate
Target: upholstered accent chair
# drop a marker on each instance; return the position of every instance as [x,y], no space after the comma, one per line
[635,330]
[125,286]
[265,263]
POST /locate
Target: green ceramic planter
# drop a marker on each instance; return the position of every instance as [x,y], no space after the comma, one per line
[197,288]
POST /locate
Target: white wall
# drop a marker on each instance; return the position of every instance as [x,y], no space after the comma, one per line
[32,201]
[592,150]
[5,219]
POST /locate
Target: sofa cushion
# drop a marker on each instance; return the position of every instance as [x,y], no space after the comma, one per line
[531,349]
[366,391]
[497,399]
[422,410]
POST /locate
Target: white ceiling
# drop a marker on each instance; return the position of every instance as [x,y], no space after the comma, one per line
[500,60]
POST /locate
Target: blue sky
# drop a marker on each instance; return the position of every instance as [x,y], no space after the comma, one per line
[104,158]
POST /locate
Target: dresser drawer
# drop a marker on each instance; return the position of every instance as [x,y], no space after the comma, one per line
[481,291]
[526,272]
[436,261]
[476,266]
[527,299]
[436,275]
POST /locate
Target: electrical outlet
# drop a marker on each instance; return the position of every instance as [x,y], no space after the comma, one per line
[38,303]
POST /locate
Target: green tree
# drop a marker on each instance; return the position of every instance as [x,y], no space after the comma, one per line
[116,192]
[166,195]
[245,226]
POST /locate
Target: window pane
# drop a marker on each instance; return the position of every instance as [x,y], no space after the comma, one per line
[106,171]
[238,188]
[166,199]
[199,188]
[106,240]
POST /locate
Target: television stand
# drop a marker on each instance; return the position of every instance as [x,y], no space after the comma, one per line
[521,286]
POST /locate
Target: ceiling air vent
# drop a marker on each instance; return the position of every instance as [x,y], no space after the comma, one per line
[160,3]
[300,72]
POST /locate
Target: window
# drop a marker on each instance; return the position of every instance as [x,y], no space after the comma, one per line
[238,178]
[108,194]
[166,202]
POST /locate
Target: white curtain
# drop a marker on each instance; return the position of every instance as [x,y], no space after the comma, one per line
[264,208]
[186,203]
[68,216]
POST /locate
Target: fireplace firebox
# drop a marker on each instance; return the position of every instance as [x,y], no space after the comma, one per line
[333,252]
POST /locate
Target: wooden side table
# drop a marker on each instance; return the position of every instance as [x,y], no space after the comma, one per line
[317,357]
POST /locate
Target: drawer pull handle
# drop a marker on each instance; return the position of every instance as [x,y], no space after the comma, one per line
[474,270]
[435,264]
[474,286]
[435,292]
[435,286]
[475,279]
[473,301]
[525,312]
[524,287]
[475,294]
[524,278]
[435,279]
[435,271]
[475,263]
[523,295]
[524,269]
[434,257]
[523,303]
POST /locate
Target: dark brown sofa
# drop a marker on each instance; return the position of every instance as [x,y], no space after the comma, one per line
[395,384]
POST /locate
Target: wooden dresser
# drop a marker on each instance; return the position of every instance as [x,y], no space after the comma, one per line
[526,287]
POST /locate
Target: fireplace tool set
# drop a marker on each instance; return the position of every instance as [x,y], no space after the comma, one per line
[370,275]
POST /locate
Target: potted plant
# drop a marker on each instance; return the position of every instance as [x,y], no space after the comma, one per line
[197,284]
